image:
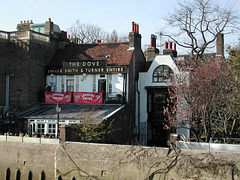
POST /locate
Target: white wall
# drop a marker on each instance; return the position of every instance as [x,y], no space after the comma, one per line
[145,79]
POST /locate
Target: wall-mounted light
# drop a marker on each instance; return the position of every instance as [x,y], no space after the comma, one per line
[84,77]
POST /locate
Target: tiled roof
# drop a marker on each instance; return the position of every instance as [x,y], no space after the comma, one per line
[88,114]
[118,51]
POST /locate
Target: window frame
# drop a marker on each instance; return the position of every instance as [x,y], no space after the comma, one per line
[158,73]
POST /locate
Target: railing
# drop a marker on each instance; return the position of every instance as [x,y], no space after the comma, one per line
[114,96]
[24,35]
[28,139]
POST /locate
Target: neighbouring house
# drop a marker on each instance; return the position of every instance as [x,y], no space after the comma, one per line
[153,93]
[24,55]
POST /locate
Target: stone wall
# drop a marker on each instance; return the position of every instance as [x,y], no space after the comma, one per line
[101,161]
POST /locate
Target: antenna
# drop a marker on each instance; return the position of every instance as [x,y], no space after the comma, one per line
[160,41]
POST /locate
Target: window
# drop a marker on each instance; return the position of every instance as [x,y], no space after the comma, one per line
[70,85]
[62,83]
[77,83]
[41,128]
[156,100]
[42,30]
[161,73]
[94,87]
[51,128]
[110,83]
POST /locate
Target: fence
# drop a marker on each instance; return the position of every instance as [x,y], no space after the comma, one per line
[29,139]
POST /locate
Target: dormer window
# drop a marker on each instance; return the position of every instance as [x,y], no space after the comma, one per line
[161,73]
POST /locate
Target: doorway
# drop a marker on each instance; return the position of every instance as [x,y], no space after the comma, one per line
[157,100]
[102,87]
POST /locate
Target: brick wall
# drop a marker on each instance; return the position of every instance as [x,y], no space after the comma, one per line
[26,60]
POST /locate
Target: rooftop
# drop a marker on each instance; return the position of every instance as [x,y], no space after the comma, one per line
[116,53]
[89,114]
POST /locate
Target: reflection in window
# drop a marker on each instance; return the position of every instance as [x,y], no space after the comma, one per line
[161,73]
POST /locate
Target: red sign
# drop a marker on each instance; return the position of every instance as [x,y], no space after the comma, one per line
[58,97]
[88,98]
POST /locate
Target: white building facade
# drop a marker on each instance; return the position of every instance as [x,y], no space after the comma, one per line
[152,98]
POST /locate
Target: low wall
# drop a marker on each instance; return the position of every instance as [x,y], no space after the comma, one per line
[102,161]
[214,147]
[29,139]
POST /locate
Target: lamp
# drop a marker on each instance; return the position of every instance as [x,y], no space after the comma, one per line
[84,76]
[58,110]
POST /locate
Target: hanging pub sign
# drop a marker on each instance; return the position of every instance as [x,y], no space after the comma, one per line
[51,97]
[88,98]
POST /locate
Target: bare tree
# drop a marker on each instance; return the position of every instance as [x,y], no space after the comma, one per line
[114,37]
[86,33]
[200,22]
[89,34]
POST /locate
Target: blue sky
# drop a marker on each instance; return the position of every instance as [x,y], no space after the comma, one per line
[108,14]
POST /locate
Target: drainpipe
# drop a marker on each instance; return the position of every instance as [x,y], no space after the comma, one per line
[8,88]
[138,116]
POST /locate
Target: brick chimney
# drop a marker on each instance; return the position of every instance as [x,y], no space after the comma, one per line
[168,50]
[24,25]
[135,37]
[152,51]
[220,45]
[49,27]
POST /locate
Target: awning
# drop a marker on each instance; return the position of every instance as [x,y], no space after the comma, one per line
[88,114]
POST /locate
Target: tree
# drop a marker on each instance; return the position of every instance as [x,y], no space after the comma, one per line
[207,99]
[114,37]
[199,23]
[95,133]
[89,34]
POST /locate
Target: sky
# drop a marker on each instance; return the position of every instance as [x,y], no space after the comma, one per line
[108,14]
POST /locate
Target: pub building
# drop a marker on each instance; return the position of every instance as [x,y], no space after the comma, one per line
[92,83]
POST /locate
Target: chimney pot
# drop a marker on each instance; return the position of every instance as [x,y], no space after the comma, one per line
[170,45]
[133,26]
[166,45]
[49,19]
[153,40]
